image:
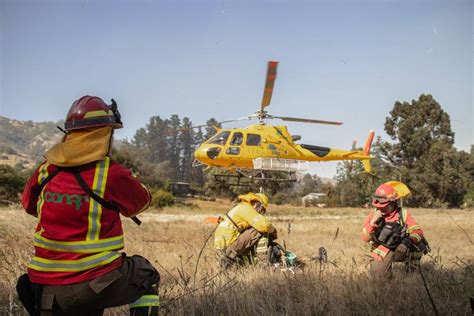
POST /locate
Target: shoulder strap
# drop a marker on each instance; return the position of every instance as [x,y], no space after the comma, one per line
[403,216]
[48,178]
[92,194]
[232,221]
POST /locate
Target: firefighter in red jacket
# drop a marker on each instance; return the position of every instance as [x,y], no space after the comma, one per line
[78,194]
[392,231]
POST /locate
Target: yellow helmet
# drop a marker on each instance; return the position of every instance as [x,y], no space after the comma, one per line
[260,197]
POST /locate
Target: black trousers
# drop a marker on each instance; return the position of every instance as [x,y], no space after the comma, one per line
[125,285]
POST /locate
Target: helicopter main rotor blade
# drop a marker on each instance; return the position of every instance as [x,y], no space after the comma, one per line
[221,122]
[269,82]
[296,119]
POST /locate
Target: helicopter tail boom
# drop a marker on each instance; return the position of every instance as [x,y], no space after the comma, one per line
[317,153]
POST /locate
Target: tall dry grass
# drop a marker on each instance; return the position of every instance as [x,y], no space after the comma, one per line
[173,238]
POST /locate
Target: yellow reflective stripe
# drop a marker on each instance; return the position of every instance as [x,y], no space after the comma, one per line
[43,172]
[100,259]
[146,300]
[414,227]
[262,245]
[98,113]
[42,175]
[83,246]
[101,192]
[416,236]
[39,204]
[379,252]
[95,209]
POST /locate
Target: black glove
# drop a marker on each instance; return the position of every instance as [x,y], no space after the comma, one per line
[404,246]
[407,242]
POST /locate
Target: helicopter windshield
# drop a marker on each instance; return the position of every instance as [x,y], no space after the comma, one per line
[220,139]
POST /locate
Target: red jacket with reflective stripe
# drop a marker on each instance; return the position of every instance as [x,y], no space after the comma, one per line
[413,229]
[77,239]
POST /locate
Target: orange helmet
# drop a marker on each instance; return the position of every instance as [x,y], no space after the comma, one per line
[384,194]
[90,111]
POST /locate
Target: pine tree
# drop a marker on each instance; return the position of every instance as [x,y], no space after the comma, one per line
[174,146]
[210,129]
[197,172]
[186,139]
[422,155]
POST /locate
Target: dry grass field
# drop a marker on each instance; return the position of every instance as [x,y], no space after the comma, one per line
[174,238]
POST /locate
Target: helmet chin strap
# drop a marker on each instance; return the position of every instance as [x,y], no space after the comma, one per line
[62,130]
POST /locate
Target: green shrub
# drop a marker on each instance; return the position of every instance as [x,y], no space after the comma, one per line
[12,183]
[162,198]
[280,198]
[469,197]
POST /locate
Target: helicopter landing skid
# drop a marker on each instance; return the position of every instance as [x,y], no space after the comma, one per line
[245,178]
[196,163]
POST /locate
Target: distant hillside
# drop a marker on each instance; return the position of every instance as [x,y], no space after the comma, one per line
[23,143]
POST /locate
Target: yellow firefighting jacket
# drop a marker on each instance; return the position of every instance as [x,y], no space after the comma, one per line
[244,216]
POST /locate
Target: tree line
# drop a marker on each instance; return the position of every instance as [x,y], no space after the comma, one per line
[419,152]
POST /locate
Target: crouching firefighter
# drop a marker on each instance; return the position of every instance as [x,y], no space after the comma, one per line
[392,231]
[243,234]
[78,194]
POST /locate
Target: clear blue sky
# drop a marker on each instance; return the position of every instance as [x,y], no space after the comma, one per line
[339,60]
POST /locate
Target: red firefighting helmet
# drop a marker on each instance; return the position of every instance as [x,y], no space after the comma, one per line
[384,194]
[90,111]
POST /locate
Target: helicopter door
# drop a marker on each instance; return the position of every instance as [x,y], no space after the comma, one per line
[234,144]
[253,144]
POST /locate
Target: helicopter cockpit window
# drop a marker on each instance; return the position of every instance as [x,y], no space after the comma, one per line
[220,139]
[237,139]
[253,139]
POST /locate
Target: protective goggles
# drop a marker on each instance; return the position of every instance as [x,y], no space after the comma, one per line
[380,200]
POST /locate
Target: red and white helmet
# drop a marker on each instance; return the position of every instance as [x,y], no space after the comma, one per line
[384,194]
[90,111]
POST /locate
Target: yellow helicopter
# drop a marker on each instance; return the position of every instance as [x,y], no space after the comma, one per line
[269,147]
